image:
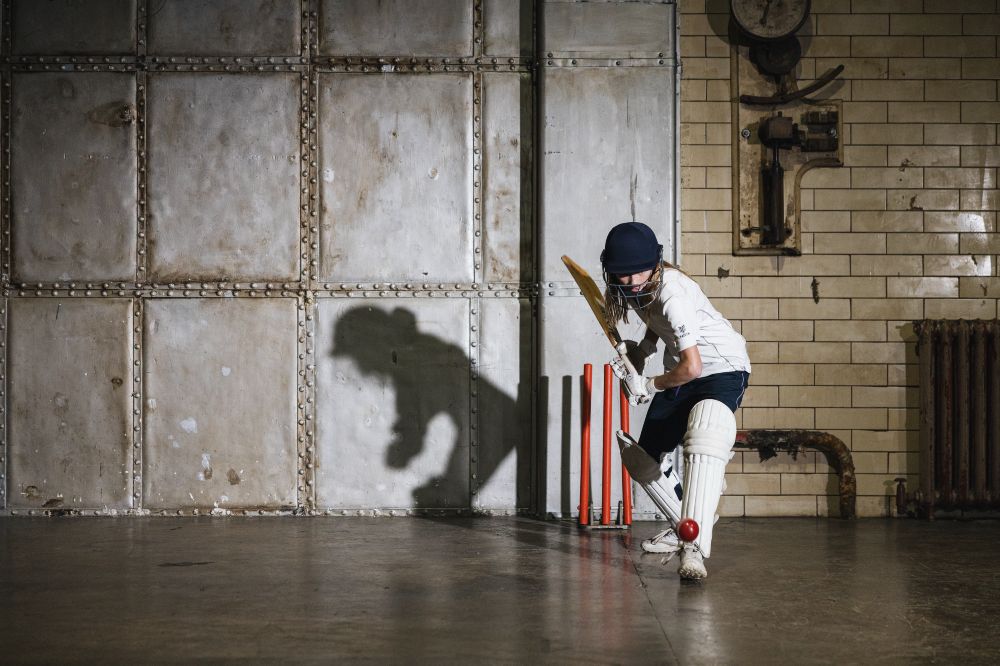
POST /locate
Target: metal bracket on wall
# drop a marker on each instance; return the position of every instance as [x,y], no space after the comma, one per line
[773,147]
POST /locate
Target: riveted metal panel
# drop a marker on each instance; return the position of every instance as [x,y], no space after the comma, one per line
[598,173]
[396,171]
[63,27]
[509,28]
[225,27]
[73,153]
[396,27]
[502,452]
[607,29]
[220,410]
[509,157]
[70,403]
[393,403]
[223,176]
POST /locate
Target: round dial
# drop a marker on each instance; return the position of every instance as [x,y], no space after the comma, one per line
[770,19]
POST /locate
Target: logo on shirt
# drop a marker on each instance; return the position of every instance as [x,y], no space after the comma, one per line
[682,331]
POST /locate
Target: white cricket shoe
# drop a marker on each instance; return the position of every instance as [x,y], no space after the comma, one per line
[692,564]
[664,542]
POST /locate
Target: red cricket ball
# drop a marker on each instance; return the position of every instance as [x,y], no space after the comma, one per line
[688,530]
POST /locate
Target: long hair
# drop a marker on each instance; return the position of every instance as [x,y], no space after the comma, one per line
[616,307]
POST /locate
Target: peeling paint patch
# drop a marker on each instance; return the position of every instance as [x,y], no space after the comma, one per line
[189,425]
[815,290]
[723,273]
[226,371]
[233,477]
[206,467]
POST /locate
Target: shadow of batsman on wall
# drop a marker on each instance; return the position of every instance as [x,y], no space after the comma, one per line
[431,376]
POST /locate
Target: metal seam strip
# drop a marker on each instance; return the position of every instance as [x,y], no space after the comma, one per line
[478,29]
[309,377]
[310,26]
[91,290]
[5,9]
[5,251]
[310,254]
[140,28]
[5,157]
[304,401]
[3,403]
[306,179]
[608,62]
[477,178]
[309,145]
[475,306]
[339,286]
[130,67]
[474,430]
[137,435]
[141,177]
[390,68]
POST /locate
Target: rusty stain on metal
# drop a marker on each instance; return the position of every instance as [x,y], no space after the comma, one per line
[769,443]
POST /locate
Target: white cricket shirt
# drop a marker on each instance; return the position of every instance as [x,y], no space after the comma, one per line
[683,317]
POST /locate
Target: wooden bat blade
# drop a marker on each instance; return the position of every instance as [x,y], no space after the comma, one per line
[594,298]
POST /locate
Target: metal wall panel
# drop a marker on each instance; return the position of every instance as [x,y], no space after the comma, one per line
[219,414]
[509,28]
[396,27]
[223,192]
[597,173]
[225,27]
[400,137]
[587,29]
[70,403]
[507,178]
[81,27]
[396,171]
[502,454]
[73,176]
[392,403]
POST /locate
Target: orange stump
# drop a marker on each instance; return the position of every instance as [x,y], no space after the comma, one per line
[588,387]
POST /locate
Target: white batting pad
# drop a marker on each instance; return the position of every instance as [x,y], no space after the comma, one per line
[707,448]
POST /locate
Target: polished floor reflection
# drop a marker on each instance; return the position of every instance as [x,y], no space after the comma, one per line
[493,590]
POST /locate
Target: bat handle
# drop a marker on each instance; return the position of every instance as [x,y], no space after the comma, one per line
[623,354]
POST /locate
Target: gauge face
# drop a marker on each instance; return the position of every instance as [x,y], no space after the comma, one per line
[770,19]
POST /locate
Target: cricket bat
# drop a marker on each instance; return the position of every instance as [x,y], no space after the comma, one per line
[595,299]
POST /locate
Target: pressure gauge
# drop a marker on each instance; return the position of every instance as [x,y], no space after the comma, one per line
[770,19]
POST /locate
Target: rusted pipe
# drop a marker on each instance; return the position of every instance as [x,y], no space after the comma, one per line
[769,443]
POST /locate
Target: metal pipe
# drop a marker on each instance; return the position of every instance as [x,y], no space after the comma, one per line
[769,442]
[588,385]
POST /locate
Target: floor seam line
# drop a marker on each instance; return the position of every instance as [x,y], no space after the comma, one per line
[645,592]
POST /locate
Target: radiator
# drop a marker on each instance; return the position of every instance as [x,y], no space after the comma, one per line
[959,415]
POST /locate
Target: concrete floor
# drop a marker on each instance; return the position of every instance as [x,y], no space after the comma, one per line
[280,590]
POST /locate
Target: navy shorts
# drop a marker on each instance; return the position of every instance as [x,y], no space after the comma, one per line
[666,420]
